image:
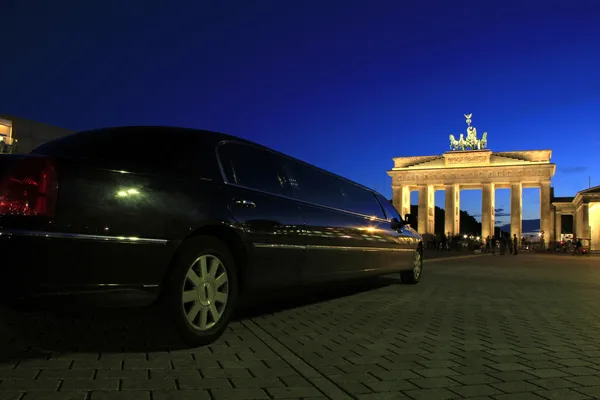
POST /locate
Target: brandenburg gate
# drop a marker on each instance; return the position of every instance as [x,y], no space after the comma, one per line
[470,165]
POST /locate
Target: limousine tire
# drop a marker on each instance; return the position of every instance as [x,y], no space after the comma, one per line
[413,276]
[201,290]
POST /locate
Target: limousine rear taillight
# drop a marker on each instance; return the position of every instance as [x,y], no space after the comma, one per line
[28,187]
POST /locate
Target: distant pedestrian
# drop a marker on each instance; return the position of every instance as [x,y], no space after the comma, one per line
[515,244]
[493,245]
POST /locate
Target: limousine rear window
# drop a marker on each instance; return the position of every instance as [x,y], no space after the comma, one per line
[251,167]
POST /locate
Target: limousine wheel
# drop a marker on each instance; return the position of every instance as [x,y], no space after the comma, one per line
[414,275]
[201,290]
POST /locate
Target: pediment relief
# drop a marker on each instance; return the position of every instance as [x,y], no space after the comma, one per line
[436,163]
[457,175]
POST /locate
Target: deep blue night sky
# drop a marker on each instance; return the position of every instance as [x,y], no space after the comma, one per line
[343,84]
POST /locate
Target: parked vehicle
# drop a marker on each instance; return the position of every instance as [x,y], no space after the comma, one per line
[190,218]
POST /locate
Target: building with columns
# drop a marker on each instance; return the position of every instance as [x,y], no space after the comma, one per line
[584,209]
[469,165]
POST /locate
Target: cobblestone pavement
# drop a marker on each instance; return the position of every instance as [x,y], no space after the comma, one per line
[484,327]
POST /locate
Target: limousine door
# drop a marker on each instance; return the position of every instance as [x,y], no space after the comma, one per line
[343,239]
[272,222]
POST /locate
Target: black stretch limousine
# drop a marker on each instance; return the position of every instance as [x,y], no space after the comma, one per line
[190,218]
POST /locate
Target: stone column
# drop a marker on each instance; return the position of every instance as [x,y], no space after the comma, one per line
[557,226]
[452,212]
[488,203]
[546,213]
[516,210]
[585,221]
[401,199]
[426,209]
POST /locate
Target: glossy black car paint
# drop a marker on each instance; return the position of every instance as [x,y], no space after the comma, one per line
[125,207]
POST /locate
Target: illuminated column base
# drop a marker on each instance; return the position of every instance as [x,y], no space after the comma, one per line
[488,204]
[452,212]
[426,210]
[516,210]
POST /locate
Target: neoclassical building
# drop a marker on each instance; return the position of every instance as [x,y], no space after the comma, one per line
[22,135]
[470,165]
[584,208]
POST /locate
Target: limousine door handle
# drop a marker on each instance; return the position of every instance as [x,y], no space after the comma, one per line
[245,203]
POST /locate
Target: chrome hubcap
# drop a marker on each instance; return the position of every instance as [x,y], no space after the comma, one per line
[417,265]
[205,292]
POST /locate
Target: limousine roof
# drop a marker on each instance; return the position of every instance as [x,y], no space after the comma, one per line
[147,136]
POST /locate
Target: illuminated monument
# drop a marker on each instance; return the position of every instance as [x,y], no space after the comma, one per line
[470,165]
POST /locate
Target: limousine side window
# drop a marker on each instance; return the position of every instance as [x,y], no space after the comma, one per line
[251,167]
[360,200]
[388,207]
[313,186]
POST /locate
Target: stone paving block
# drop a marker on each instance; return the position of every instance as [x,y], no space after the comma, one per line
[203,384]
[98,364]
[435,372]
[354,388]
[391,386]
[271,382]
[542,364]
[225,373]
[148,384]
[592,391]
[147,364]
[29,385]
[562,394]
[579,370]
[45,364]
[475,379]
[129,395]
[11,395]
[553,383]
[120,374]
[355,377]
[519,396]
[67,374]
[295,381]
[510,366]
[432,383]
[288,392]
[21,374]
[511,376]
[181,395]
[90,384]
[475,390]
[268,372]
[474,369]
[516,387]
[55,396]
[573,362]
[591,380]
[167,374]
[195,364]
[428,394]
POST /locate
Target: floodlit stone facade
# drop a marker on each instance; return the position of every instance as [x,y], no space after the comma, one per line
[22,135]
[585,210]
[474,169]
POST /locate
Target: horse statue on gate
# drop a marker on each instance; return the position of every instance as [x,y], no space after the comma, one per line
[453,143]
[470,142]
[483,141]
